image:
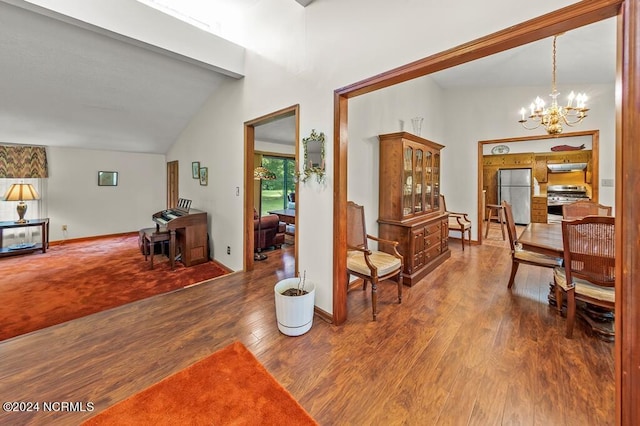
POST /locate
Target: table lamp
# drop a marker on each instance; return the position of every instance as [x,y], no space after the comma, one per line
[21,192]
[261,173]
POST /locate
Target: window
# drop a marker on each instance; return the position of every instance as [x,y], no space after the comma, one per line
[275,192]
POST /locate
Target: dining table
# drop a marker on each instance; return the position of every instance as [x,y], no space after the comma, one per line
[546,238]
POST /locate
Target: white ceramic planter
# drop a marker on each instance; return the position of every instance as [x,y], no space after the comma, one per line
[294,313]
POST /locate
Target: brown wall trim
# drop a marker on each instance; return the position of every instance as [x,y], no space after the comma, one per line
[96,237]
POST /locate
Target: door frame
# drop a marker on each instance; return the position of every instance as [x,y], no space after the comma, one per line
[249,151]
[595,154]
[173,183]
[627,350]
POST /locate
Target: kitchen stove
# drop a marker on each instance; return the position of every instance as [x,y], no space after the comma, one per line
[559,195]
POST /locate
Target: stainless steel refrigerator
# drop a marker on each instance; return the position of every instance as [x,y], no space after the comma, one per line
[514,187]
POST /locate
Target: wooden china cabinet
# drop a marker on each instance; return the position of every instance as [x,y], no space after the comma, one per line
[410,210]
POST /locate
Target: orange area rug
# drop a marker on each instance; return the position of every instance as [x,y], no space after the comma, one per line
[76,279]
[230,387]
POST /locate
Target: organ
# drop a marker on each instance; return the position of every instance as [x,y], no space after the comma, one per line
[187,228]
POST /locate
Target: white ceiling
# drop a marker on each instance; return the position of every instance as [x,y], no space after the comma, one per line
[63,85]
[585,55]
[67,86]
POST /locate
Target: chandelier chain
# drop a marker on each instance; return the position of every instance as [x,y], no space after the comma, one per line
[553,73]
[552,117]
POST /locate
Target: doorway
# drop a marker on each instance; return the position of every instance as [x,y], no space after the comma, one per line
[627,172]
[269,133]
[487,173]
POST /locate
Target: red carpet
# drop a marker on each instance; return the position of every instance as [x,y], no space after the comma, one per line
[81,278]
[230,387]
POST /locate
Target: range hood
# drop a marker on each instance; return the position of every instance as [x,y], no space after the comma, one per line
[566,167]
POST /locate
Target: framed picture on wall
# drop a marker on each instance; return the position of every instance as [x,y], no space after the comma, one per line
[204,176]
[107,178]
[195,170]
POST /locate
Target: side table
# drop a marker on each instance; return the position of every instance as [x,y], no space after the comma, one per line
[43,223]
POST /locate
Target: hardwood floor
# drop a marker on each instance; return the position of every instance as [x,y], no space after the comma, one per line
[460,349]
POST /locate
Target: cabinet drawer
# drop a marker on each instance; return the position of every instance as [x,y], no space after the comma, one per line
[432,240]
[539,210]
[433,228]
[432,252]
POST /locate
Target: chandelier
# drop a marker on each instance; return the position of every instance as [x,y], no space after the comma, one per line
[554,116]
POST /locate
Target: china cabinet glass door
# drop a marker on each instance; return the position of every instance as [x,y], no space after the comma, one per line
[407,182]
[418,181]
[428,181]
[436,181]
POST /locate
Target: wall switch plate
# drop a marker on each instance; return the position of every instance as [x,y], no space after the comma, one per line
[607,182]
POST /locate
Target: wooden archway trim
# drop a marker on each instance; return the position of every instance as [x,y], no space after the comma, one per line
[579,14]
[627,160]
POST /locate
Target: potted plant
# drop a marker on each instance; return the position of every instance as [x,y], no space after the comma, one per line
[294,305]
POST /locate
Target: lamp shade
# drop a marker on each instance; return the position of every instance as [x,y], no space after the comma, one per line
[263,173]
[21,192]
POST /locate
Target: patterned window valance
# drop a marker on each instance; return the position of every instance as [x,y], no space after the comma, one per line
[23,161]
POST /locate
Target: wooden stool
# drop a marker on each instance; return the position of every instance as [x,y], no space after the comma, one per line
[152,237]
[499,211]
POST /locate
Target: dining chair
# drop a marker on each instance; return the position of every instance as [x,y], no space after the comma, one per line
[580,209]
[588,274]
[518,254]
[370,265]
[458,222]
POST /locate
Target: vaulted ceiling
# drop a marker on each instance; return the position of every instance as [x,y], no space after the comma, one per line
[65,85]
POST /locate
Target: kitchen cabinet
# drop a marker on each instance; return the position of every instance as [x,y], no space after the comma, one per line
[409,207]
[588,176]
[539,209]
[493,160]
[580,156]
[490,184]
[518,160]
[540,168]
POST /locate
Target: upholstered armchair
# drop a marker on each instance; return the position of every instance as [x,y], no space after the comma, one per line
[589,267]
[518,255]
[271,231]
[370,265]
[458,222]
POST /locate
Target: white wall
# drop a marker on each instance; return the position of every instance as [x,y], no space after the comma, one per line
[75,199]
[387,111]
[300,56]
[473,115]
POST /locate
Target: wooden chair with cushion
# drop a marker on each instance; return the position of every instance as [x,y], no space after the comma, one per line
[458,222]
[370,265]
[589,265]
[580,209]
[518,255]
